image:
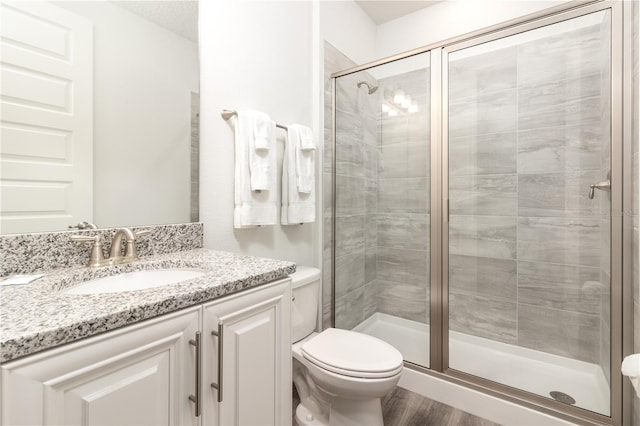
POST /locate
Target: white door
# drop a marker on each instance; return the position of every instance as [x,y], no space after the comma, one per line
[139,375]
[254,375]
[46,118]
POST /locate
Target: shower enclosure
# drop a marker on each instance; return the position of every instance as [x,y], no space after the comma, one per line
[475,185]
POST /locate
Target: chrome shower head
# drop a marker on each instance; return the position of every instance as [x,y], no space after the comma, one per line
[372,89]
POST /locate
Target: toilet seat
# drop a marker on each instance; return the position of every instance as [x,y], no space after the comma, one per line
[353,354]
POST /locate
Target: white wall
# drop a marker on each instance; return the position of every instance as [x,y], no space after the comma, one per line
[449,19]
[254,55]
[348,29]
[143,78]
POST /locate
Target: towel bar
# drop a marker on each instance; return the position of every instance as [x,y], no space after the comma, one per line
[228,113]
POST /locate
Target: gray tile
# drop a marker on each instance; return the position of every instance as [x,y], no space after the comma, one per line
[406,266]
[402,300]
[488,317]
[349,124]
[482,73]
[557,194]
[492,195]
[570,334]
[370,306]
[370,264]
[350,195]
[566,287]
[371,195]
[409,195]
[560,149]
[350,233]
[418,158]
[493,112]
[483,276]
[407,231]
[483,236]
[350,309]
[350,157]
[541,96]
[562,56]
[392,161]
[569,241]
[403,128]
[349,273]
[370,162]
[371,230]
[484,154]
[583,110]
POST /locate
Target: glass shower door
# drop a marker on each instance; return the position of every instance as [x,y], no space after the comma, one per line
[382,204]
[529,161]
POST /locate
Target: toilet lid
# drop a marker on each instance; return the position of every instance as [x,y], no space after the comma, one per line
[353,354]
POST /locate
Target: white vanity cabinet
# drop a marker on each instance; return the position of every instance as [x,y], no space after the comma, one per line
[248,358]
[144,374]
[137,375]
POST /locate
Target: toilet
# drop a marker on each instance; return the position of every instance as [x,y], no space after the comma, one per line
[340,375]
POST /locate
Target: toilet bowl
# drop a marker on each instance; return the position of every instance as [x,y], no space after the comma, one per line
[340,375]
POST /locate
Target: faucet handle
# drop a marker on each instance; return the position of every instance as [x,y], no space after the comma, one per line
[96,257]
[130,251]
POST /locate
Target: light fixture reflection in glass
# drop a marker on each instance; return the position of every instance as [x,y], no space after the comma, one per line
[393,113]
[398,97]
[406,103]
[413,108]
[386,108]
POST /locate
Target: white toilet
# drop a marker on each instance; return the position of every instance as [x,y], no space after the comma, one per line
[340,375]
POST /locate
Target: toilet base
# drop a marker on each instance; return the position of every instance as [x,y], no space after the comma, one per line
[345,412]
[305,418]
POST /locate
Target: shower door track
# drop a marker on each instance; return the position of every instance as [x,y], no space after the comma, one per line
[621,307]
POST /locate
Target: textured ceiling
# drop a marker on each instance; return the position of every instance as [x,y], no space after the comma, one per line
[179,16]
[381,11]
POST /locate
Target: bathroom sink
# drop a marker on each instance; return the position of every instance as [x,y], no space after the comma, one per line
[138,280]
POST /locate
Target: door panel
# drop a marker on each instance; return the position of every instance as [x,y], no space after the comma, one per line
[47,72]
[528,135]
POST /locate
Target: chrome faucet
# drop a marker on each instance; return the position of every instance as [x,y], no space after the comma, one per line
[96,257]
[130,252]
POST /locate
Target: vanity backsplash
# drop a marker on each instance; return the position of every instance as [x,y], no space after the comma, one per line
[27,253]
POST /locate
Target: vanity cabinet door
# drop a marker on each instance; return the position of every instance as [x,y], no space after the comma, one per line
[138,375]
[252,367]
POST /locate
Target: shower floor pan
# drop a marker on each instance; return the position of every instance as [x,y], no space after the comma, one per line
[530,370]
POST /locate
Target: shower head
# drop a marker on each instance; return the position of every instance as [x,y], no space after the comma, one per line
[372,89]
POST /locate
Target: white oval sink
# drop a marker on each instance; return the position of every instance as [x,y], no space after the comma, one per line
[138,280]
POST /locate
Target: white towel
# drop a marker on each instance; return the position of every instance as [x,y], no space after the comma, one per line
[305,152]
[261,136]
[255,202]
[297,207]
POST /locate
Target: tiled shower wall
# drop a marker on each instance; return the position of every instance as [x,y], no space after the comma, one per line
[355,168]
[526,141]
[403,188]
[526,247]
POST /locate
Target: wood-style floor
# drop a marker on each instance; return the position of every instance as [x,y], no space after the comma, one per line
[404,408]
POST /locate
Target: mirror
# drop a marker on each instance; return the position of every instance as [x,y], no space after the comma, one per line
[100,120]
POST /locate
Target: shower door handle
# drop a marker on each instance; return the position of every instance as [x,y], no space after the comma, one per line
[602,186]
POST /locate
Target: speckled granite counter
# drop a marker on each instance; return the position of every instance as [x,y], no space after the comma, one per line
[38,316]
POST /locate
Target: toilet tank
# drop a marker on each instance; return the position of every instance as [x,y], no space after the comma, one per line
[306,300]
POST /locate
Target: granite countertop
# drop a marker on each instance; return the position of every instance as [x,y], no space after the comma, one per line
[37,316]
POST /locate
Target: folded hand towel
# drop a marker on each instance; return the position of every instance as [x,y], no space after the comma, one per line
[262,155]
[297,207]
[255,202]
[305,152]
